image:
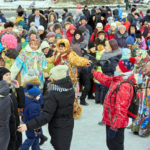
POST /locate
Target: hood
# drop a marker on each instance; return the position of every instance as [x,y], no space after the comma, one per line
[66,42]
[34,81]
[52,13]
[125,35]
[19,19]
[71,27]
[28,49]
[4,88]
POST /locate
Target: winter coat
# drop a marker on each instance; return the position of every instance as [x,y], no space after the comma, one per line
[31,110]
[127,25]
[69,58]
[9,56]
[79,45]
[121,39]
[147,18]
[5,114]
[2,18]
[20,22]
[29,59]
[112,58]
[143,44]
[43,22]
[58,113]
[69,35]
[18,102]
[115,113]
[86,14]
[94,35]
[130,18]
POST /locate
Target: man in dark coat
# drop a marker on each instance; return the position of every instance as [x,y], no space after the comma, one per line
[5,114]
[86,12]
[58,109]
[147,17]
[131,15]
[17,102]
[38,19]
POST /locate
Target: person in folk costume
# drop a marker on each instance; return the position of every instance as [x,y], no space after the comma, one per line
[64,55]
[141,124]
[9,53]
[30,58]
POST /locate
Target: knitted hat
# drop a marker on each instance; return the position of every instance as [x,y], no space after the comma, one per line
[113,44]
[33,90]
[58,35]
[51,34]
[41,28]
[83,18]
[99,25]
[130,40]
[2,72]
[59,72]
[9,40]
[127,65]
[44,45]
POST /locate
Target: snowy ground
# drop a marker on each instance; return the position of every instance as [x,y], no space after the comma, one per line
[88,135]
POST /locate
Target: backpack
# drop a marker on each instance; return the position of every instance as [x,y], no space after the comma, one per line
[134,106]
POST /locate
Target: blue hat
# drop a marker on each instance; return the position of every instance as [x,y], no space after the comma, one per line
[130,40]
[118,6]
[83,17]
[33,90]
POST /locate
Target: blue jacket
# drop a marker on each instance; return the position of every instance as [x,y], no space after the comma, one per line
[3,19]
[31,110]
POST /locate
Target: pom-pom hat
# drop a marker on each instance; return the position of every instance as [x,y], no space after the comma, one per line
[127,65]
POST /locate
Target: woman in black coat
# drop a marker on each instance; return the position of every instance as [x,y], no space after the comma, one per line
[17,102]
[5,113]
[58,110]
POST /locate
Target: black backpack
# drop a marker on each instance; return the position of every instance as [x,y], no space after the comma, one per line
[134,106]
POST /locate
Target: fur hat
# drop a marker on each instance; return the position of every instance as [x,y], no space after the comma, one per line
[51,34]
[3,71]
[130,40]
[114,44]
[59,72]
[44,45]
[33,90]
[41,28]
[31,77]
[9,40]
[127,65]
[78,32]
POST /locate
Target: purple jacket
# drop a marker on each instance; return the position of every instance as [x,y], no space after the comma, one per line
[143,44]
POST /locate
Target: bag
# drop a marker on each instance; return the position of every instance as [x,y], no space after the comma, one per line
[134,106]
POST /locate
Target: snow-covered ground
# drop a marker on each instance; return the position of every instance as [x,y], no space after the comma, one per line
[88,135]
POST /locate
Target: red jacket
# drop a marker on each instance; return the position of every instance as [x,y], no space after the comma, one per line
[115,113]
[69,35]
[94,35]
[127,25]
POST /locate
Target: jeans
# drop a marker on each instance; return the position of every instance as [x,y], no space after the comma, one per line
[34,143]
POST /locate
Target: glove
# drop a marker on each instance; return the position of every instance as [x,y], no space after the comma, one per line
[111,133]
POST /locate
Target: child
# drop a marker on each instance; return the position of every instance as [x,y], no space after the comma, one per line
[116,104]
[32,110]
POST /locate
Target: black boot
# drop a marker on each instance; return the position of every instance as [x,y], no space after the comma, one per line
[83,102]
[43,139]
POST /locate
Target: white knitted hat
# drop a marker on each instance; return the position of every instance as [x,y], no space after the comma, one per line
[59,72]
[41,28]
[44,45]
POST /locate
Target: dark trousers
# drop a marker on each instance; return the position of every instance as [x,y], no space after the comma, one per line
[117,143]
[84,80]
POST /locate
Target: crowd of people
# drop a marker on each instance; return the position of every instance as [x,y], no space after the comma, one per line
[50,61]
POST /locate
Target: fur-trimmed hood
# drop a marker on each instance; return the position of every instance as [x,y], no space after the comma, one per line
[52,13]
[34,81]
[66,42]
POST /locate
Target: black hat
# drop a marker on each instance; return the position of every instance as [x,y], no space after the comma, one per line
[78,32]
[2,72]
[138,34]
[20,13]
[82,29]
[148,11]
[133,9]
[101,32]
[65,9]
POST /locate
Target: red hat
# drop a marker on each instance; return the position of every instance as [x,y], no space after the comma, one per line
[127,65]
